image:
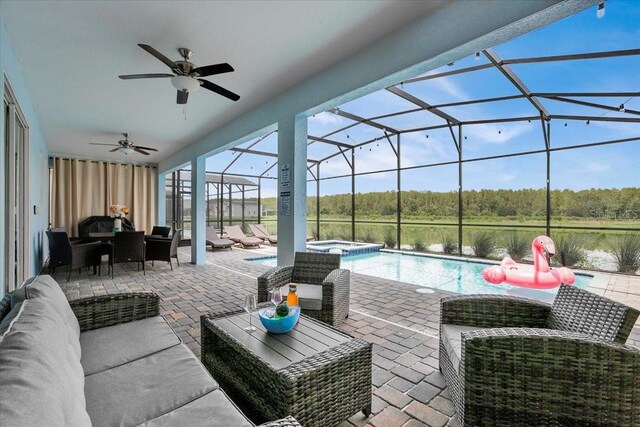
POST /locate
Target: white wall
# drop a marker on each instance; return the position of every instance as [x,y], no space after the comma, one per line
[38,158]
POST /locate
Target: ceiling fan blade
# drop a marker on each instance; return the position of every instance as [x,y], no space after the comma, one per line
[210,70]
[144,76]
[146,148]
[219,90]
[182,97]
[114,150]
[169,63]
[139,150]
[98,143]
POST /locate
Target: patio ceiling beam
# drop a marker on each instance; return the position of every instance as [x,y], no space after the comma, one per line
[479,101]
[448,73]
[420,103]
[595,118]
[495,59]
[328,141]
[588,94]
[360,119]
[261,153]
[591,104]
[573,57]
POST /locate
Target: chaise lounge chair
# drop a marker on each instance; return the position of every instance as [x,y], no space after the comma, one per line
[235,233]
[260,232]
[216,242]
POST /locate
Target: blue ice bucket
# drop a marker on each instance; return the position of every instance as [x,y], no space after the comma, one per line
[281,325]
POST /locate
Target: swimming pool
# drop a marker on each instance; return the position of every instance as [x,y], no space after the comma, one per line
[459,276]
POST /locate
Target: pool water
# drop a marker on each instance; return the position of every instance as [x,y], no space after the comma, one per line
[459,276]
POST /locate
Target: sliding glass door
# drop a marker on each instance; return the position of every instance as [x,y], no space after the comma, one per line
[16,136]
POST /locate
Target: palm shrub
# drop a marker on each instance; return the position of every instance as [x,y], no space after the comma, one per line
[389,237]
[570,250]
[483,244]
[626,250]
[367,236]
[516,245]
[418,243]
[448,243]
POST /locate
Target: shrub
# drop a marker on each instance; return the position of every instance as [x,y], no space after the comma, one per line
[448,243]
[389,237]
[517,245]
[569,249]
[482,244]
[626,250]
[367,236]
[418,243]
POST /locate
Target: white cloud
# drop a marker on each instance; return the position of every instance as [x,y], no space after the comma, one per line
[327,118]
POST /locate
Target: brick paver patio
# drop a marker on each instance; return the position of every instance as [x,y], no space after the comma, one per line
[408,390]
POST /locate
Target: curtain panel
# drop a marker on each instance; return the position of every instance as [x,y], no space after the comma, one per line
[83,188]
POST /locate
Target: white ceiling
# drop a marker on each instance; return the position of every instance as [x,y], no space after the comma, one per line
[72,53]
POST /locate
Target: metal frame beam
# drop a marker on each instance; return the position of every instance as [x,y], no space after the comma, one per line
[420,103]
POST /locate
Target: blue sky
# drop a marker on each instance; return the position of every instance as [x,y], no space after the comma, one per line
[613,166]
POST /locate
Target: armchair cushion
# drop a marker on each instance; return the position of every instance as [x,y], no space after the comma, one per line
[113,346]
[451,336]
[309,296]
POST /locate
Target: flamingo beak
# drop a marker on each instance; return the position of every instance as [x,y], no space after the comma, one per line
[550,249]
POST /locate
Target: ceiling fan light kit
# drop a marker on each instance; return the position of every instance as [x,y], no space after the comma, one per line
[186,76]
[185,83]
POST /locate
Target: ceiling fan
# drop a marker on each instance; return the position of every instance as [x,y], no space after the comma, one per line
[126,146]
[185,77]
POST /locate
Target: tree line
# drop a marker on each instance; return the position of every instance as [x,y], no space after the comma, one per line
[621,204]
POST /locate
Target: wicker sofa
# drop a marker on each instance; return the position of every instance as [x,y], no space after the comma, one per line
[323,288]
[512,361]
[103,361]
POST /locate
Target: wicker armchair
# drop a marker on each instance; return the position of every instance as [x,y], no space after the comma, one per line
[317,269]
[163,249]
[76,255]
[160,231]
[128,247]
[512,361]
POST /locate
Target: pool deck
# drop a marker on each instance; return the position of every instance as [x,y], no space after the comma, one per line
[401,323]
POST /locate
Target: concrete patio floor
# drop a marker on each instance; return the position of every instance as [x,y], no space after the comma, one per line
[408,390]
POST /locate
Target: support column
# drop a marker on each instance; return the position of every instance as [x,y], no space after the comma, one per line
[292,188]
[198,221]
[161,202]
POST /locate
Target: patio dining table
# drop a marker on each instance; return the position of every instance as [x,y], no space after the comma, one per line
[102,236]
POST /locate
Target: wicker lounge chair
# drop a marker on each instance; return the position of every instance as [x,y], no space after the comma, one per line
[235,233]
[216,242]
[514,361]
[323,288]
[260,232]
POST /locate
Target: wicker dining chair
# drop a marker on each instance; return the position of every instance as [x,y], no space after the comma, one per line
[128,246]
[511,361]
[62,251]
[316,269]
[163,248]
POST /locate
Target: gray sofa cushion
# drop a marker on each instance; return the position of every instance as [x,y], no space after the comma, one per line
[146,388]
[309,296]
[41,379]
[45,287]
[214,408]
[106,348]
[452,340]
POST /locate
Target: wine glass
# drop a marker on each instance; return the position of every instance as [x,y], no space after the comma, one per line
[275,295]
[250,306]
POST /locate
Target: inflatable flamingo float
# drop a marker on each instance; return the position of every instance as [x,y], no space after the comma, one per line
[540,277]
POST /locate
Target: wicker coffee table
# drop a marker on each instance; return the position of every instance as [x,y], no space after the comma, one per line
[315,373]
